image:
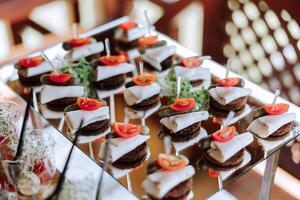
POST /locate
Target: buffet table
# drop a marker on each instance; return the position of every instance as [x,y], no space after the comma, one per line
[204,186]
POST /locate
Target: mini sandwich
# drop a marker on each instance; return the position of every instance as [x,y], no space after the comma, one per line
[31,69]
[111,72]
[226,149]
[159,58]
[228,95]
[59,92]
[190,69]
[170,177]
[182,120]
[142,93]
[273,122]
[128,148]
[78,48]
[95,116]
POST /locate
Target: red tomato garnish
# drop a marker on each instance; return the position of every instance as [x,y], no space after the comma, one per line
[101,139]
[127,130]
[128,25]
[276,109]
[212,173]
[225,134]
[144,80]
[31,61]
[171,162]
[60,78]
[191,62]
[228,82]
[148,41]
[112,60]
[183,104]
[88,104]
[78,42]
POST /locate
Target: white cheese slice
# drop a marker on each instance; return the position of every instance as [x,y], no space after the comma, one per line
[40,69]
[77,53]
[225,95]
[121,146]
[104,72]
[222,151]
[179,122]
[133,54]
[192,74]
[137,94]
[160,183]
[87,139]
[102,94]
[266,125]
[74,117]
[132,34]
[156,55]
[50,92]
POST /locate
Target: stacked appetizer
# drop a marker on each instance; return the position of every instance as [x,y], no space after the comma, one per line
[78,48]
[225,149]
[227,95]
[272,122]
[31,69]
[182,121]
[142,93]
[95,116]
[170,177]
[111,72]
[127,148]
[59,92]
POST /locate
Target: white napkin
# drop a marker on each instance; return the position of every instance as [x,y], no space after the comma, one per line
[179,122]
[225,95]
[266,125]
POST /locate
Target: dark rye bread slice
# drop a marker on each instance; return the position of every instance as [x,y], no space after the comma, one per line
[165,64]
[179,192]
[32,81]
[235,105]
[166,111]
[183,135]
[281,133]
[59,105]
[233,162]
[111,83]
[133,158]
[196,83]
[223,113]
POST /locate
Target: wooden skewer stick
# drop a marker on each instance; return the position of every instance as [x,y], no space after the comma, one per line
[49,62]
[148,22]
[141,67]
[228,68]
[107,47]
[277,93]
[178,87]
[75,31]
[167,145]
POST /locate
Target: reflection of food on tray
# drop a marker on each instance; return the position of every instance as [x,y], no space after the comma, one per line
[170,177]
[93,112]
[128,148]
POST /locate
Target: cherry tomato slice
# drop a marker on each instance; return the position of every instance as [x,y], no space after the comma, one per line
[191,62]
[60,78]
[212,173]
[112,60]
[171,162]
[228,82]
[128,25]
[148,41]
[127,130]
[88,104]
[144,80]
[101,139]
[276,109]
[31,61]
[183,104]
[78,42]
[225,134]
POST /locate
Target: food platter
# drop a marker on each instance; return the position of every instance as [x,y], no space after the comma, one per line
[203,185]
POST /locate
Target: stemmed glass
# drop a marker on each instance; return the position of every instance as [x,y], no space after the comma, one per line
[32,173]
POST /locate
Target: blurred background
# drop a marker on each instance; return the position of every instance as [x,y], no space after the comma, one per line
[262,38]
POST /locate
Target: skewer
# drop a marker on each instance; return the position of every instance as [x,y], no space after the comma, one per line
[34,100]
[49,62]
[148,22]
[91,149]
[107,47]
[228,66]
[128,179]
[178,87]
[141,68]
[61,123]
[112,108]
[277,93]
[167,145]
[75,31]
